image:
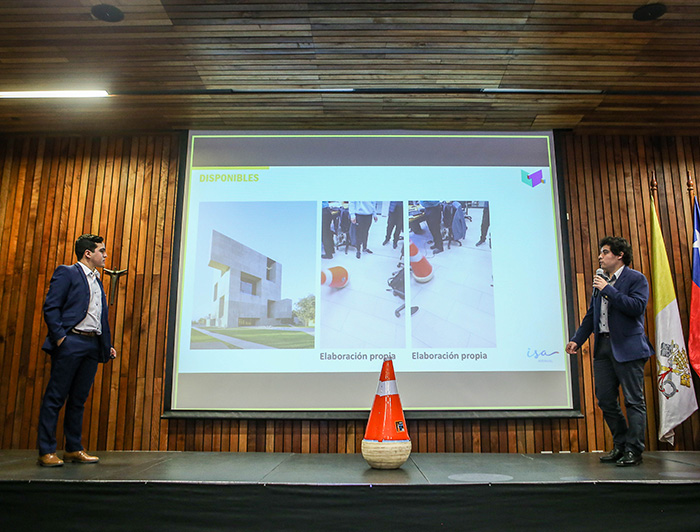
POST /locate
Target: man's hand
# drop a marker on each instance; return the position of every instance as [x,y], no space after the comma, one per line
[112,353]
[599,283]
[571,348]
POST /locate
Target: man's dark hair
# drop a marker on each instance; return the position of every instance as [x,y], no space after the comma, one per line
[86,242]
[618,246]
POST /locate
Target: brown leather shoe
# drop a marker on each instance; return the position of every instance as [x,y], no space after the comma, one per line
[80,457]
[49,460]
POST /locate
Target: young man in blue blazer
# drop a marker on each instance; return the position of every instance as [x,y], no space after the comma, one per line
[75,311]
[616,316]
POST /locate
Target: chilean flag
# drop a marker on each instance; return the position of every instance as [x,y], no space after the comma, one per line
[694,327]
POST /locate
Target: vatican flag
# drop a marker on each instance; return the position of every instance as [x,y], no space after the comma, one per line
[674,381]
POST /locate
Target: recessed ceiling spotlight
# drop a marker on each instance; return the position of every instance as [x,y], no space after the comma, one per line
[107,13]
[649,12]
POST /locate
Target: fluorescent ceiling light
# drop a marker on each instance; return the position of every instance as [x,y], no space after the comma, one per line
[54,94]
[544,91]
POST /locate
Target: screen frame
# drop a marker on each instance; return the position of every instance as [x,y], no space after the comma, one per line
[557,168]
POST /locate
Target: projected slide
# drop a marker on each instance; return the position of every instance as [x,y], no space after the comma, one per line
[308,258]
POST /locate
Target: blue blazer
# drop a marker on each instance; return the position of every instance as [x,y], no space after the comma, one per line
[66,305]
[627,301]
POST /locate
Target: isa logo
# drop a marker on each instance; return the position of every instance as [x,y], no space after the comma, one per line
[532,179]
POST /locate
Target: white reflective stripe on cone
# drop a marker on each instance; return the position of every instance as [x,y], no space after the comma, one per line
[387,388]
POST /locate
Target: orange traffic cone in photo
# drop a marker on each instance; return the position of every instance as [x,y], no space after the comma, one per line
[386,444]
[420,267]
[335,277]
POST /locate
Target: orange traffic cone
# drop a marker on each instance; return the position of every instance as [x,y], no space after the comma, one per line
[386,444]
[335,277]
[420,267]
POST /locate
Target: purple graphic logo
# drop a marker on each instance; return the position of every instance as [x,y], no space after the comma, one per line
[532,179]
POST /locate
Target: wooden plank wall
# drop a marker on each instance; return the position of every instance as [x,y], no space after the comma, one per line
[55,188]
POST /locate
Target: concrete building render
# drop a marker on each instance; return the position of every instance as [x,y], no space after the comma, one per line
[248,290]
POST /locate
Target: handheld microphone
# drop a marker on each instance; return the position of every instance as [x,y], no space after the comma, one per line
[600,273]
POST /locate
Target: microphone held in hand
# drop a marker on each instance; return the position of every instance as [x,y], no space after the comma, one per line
[600,273]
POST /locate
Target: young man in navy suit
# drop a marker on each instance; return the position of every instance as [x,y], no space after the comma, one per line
[616,316]
[75,312]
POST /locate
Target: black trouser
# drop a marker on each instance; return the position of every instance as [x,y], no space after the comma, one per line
[433,217]
[326,233]
[485,222]
[395,223]
[628,434]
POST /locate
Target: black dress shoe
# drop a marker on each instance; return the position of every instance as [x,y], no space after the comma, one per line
[630,458]
[612,456]
[386,241]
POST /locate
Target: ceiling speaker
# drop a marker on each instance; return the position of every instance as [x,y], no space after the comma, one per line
[649,12]
[107,12]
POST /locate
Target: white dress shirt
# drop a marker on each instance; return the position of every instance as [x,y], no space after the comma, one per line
[603,325]
[93,320]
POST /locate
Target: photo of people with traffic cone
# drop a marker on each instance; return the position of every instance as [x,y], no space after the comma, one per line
[362,283]
[451,291]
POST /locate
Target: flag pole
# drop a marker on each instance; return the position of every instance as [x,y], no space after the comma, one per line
[653,191]
[691,188]
[691,195]
[654,368]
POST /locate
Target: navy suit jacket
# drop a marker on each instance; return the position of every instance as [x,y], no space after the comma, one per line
[627,301]
[66,305]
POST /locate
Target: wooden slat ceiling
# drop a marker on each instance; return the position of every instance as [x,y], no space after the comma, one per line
[256,64]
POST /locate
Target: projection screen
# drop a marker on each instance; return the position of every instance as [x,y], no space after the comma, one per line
[308,258]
